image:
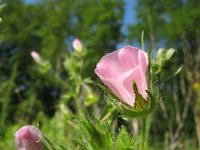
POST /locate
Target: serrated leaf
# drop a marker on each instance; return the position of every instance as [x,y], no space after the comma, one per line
[125,141]
[94,135]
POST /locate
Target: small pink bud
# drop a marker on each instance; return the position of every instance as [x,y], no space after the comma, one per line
[77,45]
[36,56]
[28,138]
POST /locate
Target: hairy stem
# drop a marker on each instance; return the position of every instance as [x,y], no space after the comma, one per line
[143,133]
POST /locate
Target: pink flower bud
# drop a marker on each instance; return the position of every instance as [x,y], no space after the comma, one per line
[118,70]
[36,56]
[77,45]
[28,138]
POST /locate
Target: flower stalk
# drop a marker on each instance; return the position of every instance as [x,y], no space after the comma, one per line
[143,138]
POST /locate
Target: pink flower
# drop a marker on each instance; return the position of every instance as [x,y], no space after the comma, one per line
[28,138]
[118,70]
[36,56]
[77,45]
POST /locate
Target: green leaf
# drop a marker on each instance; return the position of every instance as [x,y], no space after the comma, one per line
[94,135]
[125,141]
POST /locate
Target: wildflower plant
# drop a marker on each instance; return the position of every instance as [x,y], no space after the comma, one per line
[126,76]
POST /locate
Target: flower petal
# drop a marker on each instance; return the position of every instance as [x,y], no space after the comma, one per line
[116,85]
[128,57]
[109,66]
[138,77]
[143,60]
[28,137]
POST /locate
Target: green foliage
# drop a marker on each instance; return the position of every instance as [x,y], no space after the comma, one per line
[56,93]
[93,135]
[61,86]
[96,136]
[6,93]
[49,27]
[7,142]
[125,141]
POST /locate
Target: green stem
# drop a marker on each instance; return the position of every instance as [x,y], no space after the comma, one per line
[77,99]
[105,117]
[78,105]
[142,40]
[144,124]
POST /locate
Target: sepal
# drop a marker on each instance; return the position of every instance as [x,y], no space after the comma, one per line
[141,107]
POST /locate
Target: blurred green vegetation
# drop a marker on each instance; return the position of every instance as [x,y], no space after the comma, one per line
[52,95]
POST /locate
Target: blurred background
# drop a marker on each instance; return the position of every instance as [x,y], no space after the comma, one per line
[44,93]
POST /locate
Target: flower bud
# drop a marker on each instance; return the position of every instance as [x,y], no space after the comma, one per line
[44,65]
[28,138]
[170,53]
[160,53]
[36,57]
[77,45]
[163,56]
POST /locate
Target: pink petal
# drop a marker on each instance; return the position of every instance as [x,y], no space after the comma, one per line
[143,60]
[116,85]
[138,77]
[35,55]
[128,57]
[109,83]
[28,138]
[77,44]
[109,66]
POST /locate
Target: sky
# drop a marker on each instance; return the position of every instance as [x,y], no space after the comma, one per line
[129,14]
